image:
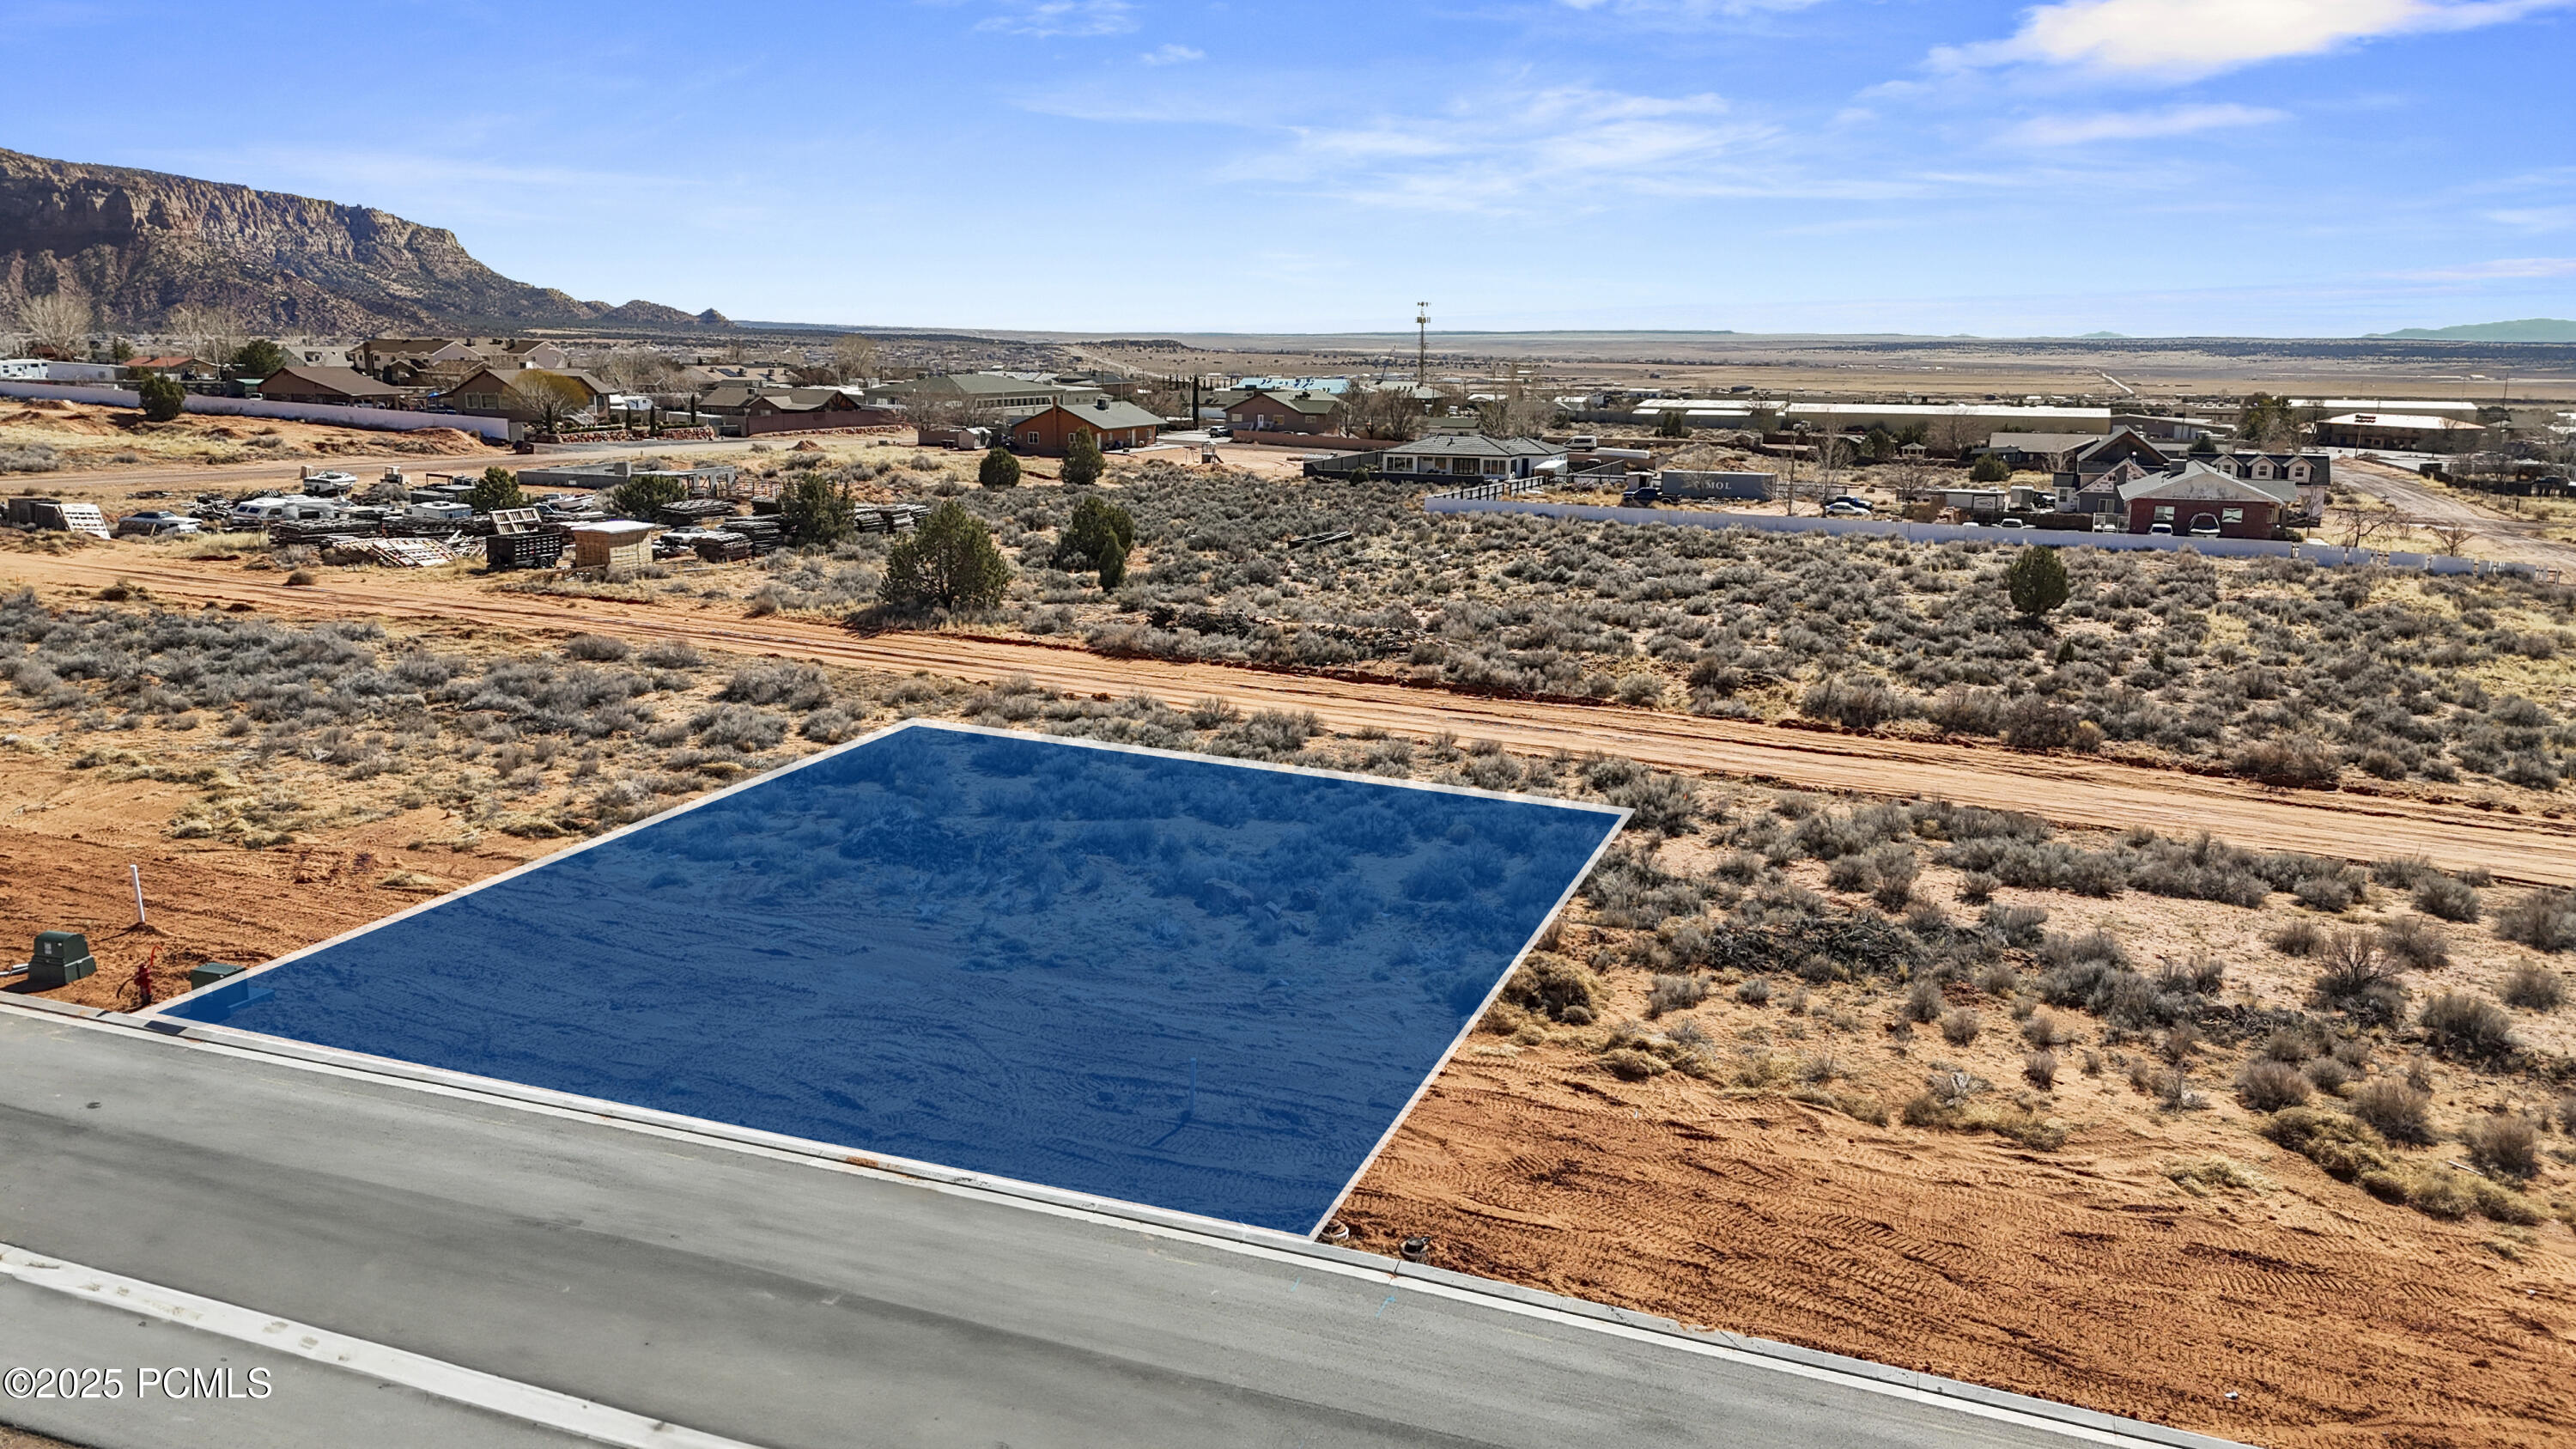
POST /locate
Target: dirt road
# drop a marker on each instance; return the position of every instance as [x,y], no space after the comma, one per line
[2517,539]
[2070,789]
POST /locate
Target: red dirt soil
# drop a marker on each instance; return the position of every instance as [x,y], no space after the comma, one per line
[2514,843]
[2082,1276]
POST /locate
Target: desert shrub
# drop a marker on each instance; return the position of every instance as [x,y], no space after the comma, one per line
[163,398]
[2298,937]
[596,648]
[2445,896]
[2045,1029]
[2331,894]
[1554,987]
[1857,704]
[1753,991]
[1675,993]
[2265,1085]
[1923,1001]
[1960,710]
[949,562]
[2345,1147]
[2039,1068]
[2402,872]
[1850,873]
[1097,538]
[1083,463]
[1663,803]
[2033,723]
[1896,868]
[2466,1027]
[1960,1025]
[2395,1110]
[2415,942]
[2036,581]
[796,686]
[999,469]
[1631,1065]
[738,727]
[2543,919]
[1976,887]
[827,726]
[2328,1074]
[2505,1146]
[2015,925]
[670,654]
[2297,763]
[2534,988]
[2359,979]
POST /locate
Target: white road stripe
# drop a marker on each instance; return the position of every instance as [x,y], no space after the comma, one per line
[503,1396]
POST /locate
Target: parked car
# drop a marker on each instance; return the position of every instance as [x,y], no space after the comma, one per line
[2010,523]
[2161,530]
[2205,528]
[2107,526]
[1220,433]
[155,524]
[329,483]
[1843,508]
[1852,501]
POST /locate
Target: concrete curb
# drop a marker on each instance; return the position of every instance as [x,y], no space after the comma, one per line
[2077,1421]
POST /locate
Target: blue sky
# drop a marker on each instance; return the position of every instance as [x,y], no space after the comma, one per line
[2292,167]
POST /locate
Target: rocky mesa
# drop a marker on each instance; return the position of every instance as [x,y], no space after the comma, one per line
[138,244]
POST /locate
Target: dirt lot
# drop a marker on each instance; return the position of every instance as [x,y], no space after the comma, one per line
[2122,1252]
[43,439]
[2516,834]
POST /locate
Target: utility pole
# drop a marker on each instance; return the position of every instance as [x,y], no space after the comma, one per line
[1422,344]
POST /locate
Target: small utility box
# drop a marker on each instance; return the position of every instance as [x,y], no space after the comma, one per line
[61,958]
[212,973]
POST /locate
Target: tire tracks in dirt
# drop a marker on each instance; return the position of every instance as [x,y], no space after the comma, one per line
[2068,789]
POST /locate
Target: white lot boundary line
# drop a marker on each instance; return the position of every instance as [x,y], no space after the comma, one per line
[508,1397]
[171,1006]
[1264,1244]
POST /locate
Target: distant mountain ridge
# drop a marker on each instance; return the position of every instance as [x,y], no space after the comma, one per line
[139,243]
[2529,329]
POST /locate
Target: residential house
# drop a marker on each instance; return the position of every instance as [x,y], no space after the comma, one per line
[812,409]
[1111,424]
[487,392]
[341,386]
[511,352]
[980,393]
[2302,478]
[184,369]
[2193,496]
[376,354]
[1284,412]
[2397,432]
[1467,455]
[2042,452]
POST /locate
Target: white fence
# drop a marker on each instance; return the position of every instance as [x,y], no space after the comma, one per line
[2319,553]
[382,420]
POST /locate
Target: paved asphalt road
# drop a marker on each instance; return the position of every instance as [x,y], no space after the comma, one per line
[774,1301]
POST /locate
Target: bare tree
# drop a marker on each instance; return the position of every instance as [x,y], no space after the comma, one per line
[56,321]
[546,399]
[2358,523]
[1912,478]
[1388,412]
[211,334]
[635,369]
[2453,534]
[854,358]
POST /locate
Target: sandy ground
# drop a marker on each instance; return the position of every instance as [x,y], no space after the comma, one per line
[2497,534]
[136,452]
[2517,835]
[2087,1275]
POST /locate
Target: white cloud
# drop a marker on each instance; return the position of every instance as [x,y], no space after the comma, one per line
[2186,38]
[1687,10]
[2505,269]
[1172,55]
[2535,218]
[2136,125]
[1565,148]
[1048,18]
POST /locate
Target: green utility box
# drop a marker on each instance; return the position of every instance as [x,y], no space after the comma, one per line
[61,958]
[212,973]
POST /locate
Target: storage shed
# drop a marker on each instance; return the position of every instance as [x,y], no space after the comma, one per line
[616,543]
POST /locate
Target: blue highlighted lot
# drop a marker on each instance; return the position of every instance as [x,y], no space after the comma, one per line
[1200,985]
